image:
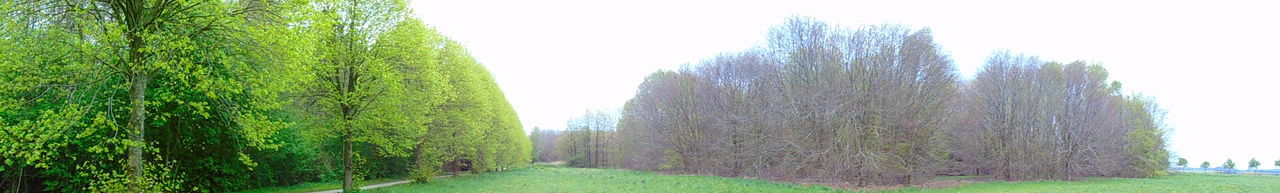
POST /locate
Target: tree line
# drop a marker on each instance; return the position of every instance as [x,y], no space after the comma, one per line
[1229,164]
[875,105]
[200,96]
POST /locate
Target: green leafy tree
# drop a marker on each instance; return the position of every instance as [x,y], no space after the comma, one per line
[361,87]
[1182,162]
[177,96]
[416,47]
[1229,164]
[477,124]
[1204,165]
[137,84]
[1254,163]
[1147,137]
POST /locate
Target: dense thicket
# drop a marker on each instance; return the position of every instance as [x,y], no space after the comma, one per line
[818,102]
[1024,114]
[878,104]
[177,96]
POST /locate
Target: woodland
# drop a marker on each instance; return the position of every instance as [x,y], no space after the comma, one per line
[217,96]
[872,105]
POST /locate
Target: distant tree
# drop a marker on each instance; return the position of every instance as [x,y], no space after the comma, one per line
[1277,163]
[533,137]
[544,143]
[1229,164]
[1204,165]
[1182,162]
[1254,163]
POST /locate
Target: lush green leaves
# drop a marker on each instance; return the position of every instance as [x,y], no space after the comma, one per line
[239,94]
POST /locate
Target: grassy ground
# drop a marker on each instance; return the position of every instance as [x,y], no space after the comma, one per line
[1172,183]
[557,179]
[316,186]
[541,178]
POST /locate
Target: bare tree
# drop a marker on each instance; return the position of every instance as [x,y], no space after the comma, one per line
[817,102]
[883,105]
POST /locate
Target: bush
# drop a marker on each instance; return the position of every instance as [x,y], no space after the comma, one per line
[578,160]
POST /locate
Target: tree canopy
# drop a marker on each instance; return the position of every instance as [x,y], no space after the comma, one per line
[200,96]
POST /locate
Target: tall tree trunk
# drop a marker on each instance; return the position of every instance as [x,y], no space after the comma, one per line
[137,119]
[137,123]
[347,168]
[347,86]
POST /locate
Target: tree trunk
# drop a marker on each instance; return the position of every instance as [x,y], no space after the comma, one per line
[347,168]
[418,162]
[137,119]
[137,122]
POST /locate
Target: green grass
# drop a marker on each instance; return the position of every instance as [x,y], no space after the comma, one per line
[545,178]
[1172,183]
[316,186]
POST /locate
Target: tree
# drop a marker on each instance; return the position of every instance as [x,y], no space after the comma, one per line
[1023,112]
[164,74]
[1254,163]
[865,105]
[1147,138]
[1230,165]
[175,96]
[545,146]
[356,93]
[475,127]
[1182,162]
[588,139]
[1204,165]
[881,104]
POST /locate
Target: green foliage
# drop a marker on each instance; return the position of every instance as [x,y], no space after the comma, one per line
[1182,162]
[227,102]
[1254,163]
[1205,165]
[1147,139]
[1229,164]
[474,121]
[209,102]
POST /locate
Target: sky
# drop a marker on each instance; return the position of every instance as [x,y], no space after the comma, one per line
[1212,65]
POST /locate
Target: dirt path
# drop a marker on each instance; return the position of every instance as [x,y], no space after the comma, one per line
[372,186]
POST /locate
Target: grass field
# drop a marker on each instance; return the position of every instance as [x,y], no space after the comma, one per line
[1173,183]
[558,179]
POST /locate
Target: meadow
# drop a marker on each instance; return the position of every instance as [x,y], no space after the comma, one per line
[542,178]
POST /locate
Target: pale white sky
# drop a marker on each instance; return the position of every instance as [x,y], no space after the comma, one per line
[1212,64]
